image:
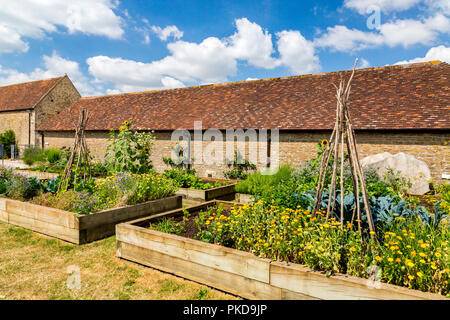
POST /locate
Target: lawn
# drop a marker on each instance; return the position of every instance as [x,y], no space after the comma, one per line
[33,266]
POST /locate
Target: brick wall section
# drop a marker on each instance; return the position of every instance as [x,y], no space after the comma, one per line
[294,148]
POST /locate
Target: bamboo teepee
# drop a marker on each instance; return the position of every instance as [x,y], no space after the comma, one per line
[80,154]
[343,134]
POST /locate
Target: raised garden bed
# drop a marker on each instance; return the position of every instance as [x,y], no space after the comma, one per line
[238,272]
[224,192]
[78,229]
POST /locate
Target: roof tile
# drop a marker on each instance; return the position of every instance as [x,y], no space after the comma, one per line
[413,96]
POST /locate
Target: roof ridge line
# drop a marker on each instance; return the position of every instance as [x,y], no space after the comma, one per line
[266,79]
[22,83]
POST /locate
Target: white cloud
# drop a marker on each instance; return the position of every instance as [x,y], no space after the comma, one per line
[210,61]
[55,66]
[363,63]
[404,33]
[442,6]
[169,31]
[36,18]
[409,32]
[441,53]
[341,38]
[296,52]
[251,43]
[385,5]
[11,41]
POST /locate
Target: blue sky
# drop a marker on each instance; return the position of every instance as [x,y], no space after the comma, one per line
[110,46]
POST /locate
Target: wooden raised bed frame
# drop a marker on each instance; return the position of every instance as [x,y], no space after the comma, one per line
[242,273]
[78,229]
[226,192]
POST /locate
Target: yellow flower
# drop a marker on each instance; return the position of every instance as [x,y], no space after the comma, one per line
[422,261]
[324,142]
[390,259]
[410,264]
[398,260]
[352,249]
[420,274]
[410,277]
[372,232]
[422,254]
[378,258]
[438,254]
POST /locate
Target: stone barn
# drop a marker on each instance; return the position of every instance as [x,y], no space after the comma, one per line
[403,108]
[26,106]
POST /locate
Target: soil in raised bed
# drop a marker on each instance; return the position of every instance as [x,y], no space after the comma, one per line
[190,228]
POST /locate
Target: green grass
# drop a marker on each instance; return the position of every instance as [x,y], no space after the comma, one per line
[33,266]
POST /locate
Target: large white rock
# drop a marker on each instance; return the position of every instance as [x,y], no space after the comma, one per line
[406,165]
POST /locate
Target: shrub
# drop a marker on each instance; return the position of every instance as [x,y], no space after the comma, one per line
[32,155]
[8,138]
[53,155]
[22,188]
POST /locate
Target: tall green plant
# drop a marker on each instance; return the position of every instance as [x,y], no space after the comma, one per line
[129,150]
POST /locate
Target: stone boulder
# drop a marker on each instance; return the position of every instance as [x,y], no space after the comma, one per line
[416,171]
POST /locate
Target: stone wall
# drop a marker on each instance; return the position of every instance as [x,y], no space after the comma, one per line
[294,148]
[18,122]
[61,96]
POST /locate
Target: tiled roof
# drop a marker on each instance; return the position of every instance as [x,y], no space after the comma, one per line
[414,96]
[24,96]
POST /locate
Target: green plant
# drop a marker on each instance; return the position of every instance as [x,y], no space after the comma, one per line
[185,178]
[240,167]
[129,150]
[8,138]
[444,191]
[22,188]
[125,189]
[409,252]
[70,200]
[258,183]
[168,226]
[53,155]
[150,187]
[32,155]
[397,183]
